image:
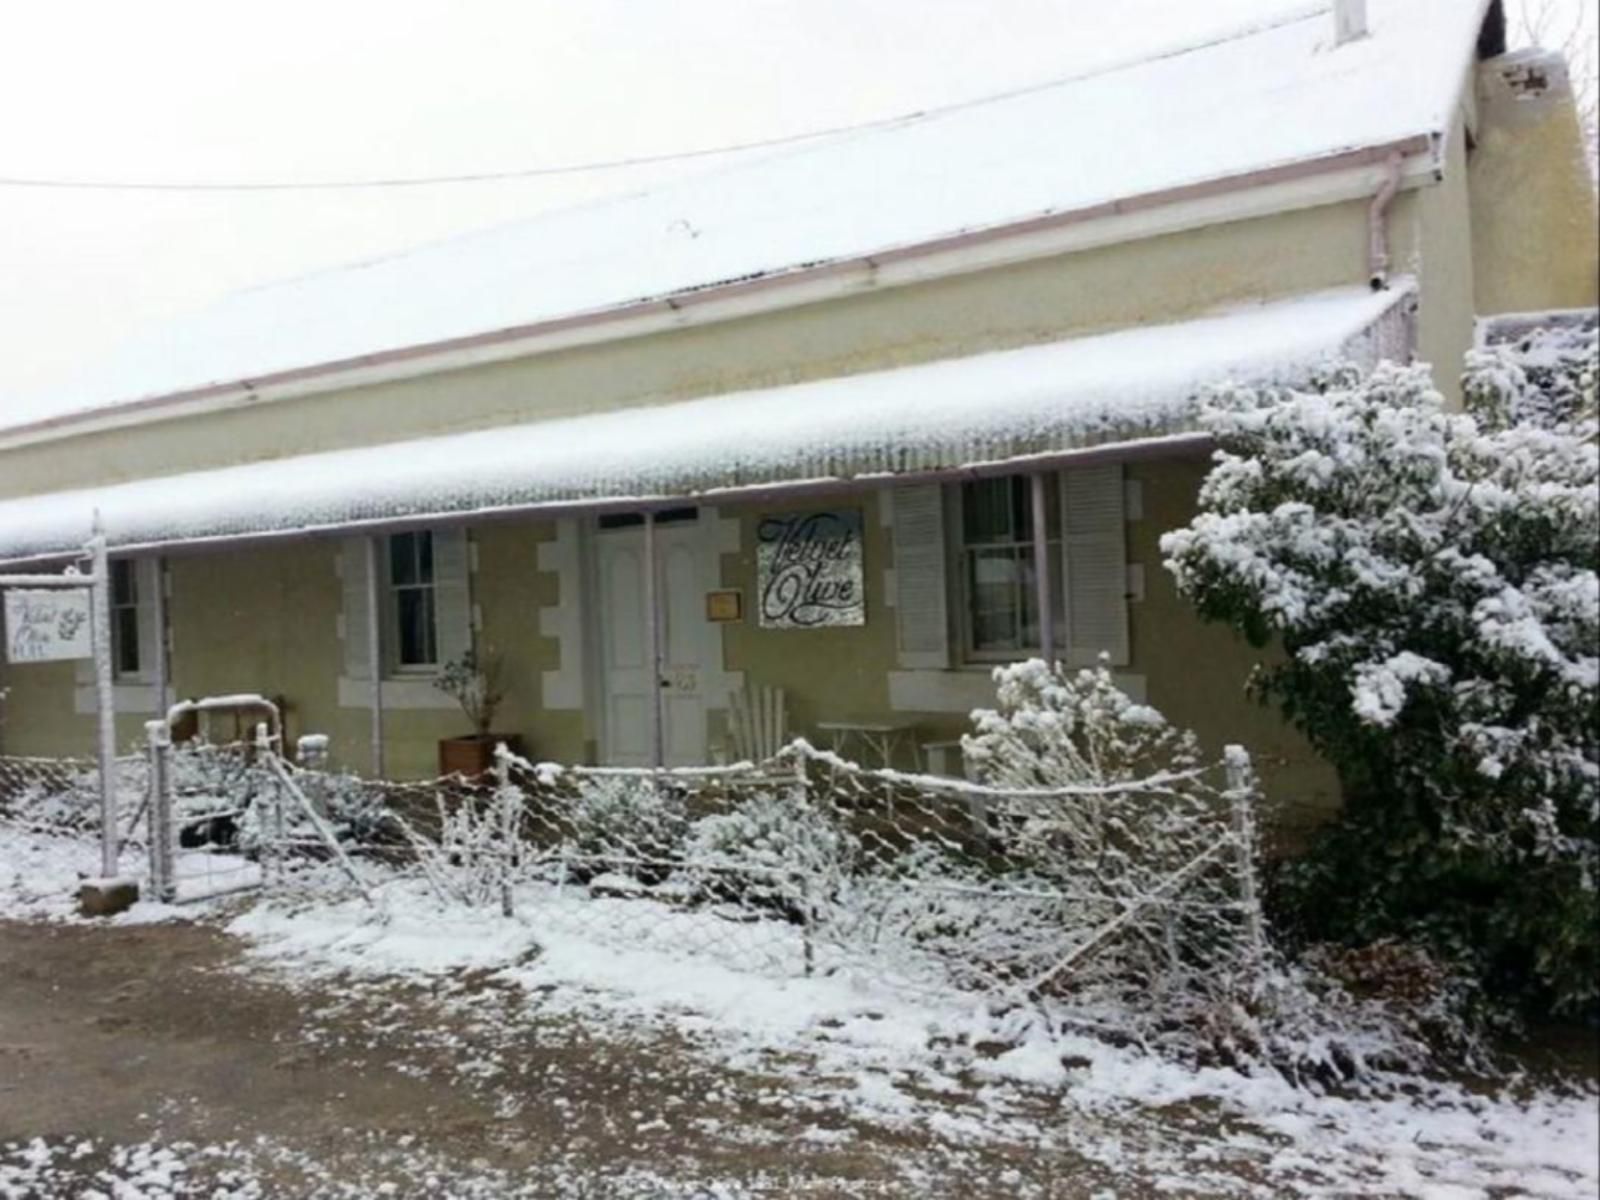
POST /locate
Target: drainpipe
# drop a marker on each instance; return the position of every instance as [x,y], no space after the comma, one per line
[1378,226]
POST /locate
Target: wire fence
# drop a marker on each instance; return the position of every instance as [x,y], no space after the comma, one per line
[1134,895]
[1131,895]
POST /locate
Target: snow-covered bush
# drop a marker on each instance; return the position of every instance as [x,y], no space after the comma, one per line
[1137,842]
[623,825]
[1429,580]
[775,850]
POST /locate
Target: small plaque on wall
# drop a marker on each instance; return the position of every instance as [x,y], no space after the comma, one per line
[725,606]
[809,571]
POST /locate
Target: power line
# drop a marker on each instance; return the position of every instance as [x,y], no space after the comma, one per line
[615,164]
[331,185]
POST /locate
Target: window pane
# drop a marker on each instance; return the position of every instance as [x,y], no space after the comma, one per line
[992,577]
[402,559]
[424,544]
[125,640]
[417,646]
[124,585]
[986,511]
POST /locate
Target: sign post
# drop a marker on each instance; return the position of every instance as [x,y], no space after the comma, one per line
[105,701]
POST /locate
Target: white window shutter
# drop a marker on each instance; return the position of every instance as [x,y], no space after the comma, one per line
[452,593]
[1094,543]
[922,622]
[354,624]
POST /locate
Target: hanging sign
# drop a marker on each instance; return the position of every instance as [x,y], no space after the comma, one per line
[809,571]
[47,626]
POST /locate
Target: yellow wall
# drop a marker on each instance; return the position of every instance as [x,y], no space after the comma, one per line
[1534,240]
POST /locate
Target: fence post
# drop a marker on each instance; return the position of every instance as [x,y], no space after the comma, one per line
[1241,780]
[162,882]
[505,800]
[269,822]
[802,798]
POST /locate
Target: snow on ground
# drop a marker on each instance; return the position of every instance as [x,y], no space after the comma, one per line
[851,1044]
[41,871]
[846,1050]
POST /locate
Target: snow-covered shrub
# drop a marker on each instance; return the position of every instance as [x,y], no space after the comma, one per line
[623,825]
[775,850]
[1430,580]
[1132,850]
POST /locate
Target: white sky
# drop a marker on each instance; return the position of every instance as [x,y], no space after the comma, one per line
[174,90]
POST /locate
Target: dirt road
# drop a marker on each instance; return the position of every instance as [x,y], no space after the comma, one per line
[140,1060]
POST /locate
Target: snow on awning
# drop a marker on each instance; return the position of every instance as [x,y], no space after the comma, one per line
[1115,387]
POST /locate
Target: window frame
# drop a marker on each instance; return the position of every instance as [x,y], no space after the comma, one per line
[963,608]
[393,666]
[127,571]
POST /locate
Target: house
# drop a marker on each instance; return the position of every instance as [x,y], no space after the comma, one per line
[807,422]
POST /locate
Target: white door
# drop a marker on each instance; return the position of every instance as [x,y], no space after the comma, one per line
[627,682]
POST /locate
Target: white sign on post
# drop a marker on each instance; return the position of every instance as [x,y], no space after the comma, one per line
[48,626]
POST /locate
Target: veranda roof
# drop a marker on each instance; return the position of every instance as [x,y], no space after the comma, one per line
[990,408]
[1270,96]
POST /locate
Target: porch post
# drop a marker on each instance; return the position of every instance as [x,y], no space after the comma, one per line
[105,698]
[652,613]
[158,617]
[1041,568]
[375,651]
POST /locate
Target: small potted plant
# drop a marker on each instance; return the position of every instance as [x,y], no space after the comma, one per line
[474,683]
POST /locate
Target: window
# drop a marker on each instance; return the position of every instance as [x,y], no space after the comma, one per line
[412,608]
[125,656]
[999,586]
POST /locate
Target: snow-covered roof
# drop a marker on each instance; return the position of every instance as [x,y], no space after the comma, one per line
[995,407]
[1278,94]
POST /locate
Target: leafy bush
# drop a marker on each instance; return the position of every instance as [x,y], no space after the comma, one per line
[1431,580]
[624,825]
[774,851]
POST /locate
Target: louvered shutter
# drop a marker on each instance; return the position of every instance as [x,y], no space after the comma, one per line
[922,623]
[452,594]
[353,623]
[1094,542]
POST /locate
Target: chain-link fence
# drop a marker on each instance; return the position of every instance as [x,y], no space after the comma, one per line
[62,795]
[1124,897]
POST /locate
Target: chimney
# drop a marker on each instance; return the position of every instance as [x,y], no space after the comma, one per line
[1349,20]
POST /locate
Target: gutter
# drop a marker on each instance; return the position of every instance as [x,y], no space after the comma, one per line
[834,276]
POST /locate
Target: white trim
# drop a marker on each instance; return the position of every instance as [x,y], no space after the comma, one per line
[860,275]
[409,693]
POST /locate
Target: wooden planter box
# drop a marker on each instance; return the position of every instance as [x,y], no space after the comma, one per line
[473,755]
